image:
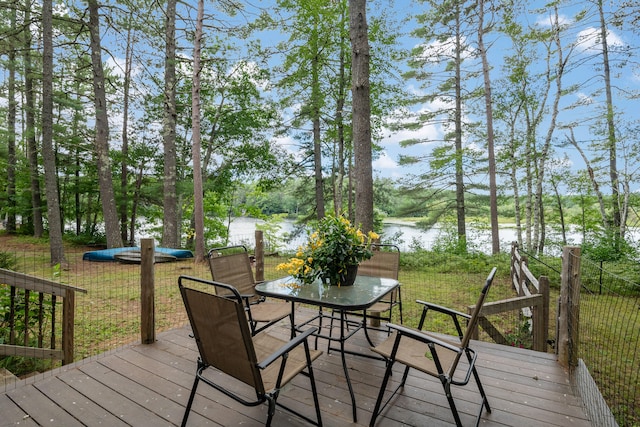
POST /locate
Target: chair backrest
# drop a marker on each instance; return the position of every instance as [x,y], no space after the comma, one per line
[231,265]
[475,316]
[221,331]
[385,262]
[473,321]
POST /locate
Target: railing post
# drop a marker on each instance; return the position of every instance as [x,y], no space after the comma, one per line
[68,320]
[524,264]
[147,292]
[514,271]
[541,317]
[259,254]
[569,308]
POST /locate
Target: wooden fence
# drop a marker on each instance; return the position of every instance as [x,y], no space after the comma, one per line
[532,301]
[48,292]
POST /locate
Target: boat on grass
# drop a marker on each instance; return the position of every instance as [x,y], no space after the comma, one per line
[132,255]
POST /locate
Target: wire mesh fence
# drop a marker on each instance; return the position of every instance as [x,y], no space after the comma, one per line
[608,322]
[609,336]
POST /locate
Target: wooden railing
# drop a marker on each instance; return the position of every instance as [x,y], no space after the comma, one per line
[532,301]
[35,330]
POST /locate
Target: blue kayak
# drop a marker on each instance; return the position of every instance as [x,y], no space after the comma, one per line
[112,254]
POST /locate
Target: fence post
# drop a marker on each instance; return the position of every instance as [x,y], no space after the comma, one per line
[514,271]
[524,264]
[541,317]
[147,292]
[259,254]
[569,308]
[68,320]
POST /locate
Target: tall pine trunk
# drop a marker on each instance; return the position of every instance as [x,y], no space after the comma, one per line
[493,190]
[50,173]
[105,180]
[32,146]
[170,227]
[361,114]
[198,203]
[11,129]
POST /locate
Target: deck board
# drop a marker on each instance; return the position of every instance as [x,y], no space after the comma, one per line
[149,385]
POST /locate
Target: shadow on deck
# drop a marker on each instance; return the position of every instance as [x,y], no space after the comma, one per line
[148,385]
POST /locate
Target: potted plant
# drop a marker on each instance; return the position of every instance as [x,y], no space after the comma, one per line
[332,253]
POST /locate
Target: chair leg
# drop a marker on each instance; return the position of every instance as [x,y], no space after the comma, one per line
[271,410]
[383,387]
[379,406]
[190,402]
[447,391]
[314,390]
[400,305]
[485,401]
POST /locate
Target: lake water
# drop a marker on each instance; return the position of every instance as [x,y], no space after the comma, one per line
[404,233]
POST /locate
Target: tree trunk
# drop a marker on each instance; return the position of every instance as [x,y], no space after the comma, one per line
[50,173]
[342,82]
[198,202]
[10,225]
[611,126]
[134,203]
[32,146]
[493,191]
[592,178]
[105,181]
[460,205]
[170,229]
[361,114]
[544,153]
[315,111]
[124,178]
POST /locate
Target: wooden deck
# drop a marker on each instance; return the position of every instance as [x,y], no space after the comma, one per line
[148,385]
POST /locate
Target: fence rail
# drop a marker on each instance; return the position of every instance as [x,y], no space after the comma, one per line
[20,314]
[532,300]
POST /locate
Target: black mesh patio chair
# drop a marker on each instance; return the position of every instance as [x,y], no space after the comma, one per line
[435,356]
[231,265]
[225,343]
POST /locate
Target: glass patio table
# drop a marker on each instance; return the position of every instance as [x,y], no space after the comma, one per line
[365,292]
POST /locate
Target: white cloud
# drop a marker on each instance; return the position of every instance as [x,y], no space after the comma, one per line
[548,20]
[384,163]
[584,99]
[437,51]
[117,67]
[590,42]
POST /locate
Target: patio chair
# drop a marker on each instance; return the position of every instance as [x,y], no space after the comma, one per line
[435,356]
[231,265]
[385,262]
[225,343]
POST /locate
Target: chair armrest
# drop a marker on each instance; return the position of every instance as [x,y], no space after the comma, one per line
[297,340]
[423,337]
[444,310]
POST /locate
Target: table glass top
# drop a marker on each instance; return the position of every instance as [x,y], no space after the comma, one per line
[363,293]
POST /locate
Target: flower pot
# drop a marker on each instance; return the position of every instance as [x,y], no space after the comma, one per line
[349,277]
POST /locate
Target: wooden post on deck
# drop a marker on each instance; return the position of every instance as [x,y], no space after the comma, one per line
[68,320]
[541,317]
[259,254]
[569,308]
[147,292]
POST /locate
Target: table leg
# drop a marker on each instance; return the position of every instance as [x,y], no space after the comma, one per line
[366,331]
[344,365]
